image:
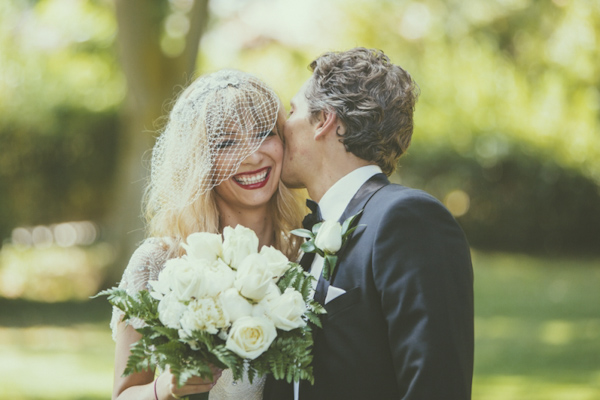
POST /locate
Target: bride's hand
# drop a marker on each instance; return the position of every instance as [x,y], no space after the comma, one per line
[168,383]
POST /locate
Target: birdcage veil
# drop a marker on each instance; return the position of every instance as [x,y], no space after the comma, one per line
[216,123]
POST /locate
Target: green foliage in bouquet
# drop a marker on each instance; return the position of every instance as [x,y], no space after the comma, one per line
[288,357]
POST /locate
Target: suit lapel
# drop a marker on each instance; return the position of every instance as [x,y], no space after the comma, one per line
[366,191]
[306,261]
[357,204]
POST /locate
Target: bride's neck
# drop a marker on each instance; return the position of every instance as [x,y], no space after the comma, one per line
[259,220]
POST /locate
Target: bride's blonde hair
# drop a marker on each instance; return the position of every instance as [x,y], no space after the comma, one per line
[179,198]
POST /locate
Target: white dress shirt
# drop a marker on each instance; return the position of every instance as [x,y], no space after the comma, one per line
[336,199]
[332,206]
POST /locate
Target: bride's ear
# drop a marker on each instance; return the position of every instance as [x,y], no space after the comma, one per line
[328,123]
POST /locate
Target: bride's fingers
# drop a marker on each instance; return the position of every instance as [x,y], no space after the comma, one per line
[216,371]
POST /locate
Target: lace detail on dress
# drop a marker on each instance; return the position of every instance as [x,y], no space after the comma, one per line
[145,265]
[228,389]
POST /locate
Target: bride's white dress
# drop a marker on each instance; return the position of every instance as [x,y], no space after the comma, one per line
[145,265]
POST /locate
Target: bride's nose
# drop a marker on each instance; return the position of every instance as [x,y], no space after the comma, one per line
[254,158]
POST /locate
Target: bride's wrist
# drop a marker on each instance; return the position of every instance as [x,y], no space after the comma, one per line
[155,391]
[163,393]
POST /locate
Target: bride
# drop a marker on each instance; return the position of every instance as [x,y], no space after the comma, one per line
[216,164]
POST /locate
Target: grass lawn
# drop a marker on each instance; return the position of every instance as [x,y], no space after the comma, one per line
[537,336]
[537,328]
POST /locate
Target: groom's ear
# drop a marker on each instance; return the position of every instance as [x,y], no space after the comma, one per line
[327,122]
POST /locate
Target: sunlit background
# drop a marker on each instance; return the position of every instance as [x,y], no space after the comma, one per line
[507,136]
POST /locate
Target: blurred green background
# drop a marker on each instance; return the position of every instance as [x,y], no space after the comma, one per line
[507,136]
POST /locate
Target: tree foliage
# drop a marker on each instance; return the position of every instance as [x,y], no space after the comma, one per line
[59,92]
[509,111]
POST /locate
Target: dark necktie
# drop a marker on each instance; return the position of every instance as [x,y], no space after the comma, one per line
[313,217]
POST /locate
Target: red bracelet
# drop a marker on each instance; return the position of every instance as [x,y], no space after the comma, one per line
[155,394]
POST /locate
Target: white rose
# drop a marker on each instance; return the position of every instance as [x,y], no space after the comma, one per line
[204,246]
[234,305]
[219,277]
[329,237]
[162,285]
[238,243]
[253,277]
[286,310]
[157,291]
[249,337]
[203,315]
[170,311]
[263,308]
[184,278]
[277,262]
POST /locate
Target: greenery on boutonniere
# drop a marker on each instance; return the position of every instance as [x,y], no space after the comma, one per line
[326,239]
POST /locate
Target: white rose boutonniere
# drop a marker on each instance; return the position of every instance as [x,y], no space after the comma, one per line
[327,239]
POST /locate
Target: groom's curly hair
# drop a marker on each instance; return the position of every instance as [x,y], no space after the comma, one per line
[372,97]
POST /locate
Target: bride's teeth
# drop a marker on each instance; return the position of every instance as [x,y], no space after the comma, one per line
[251,179]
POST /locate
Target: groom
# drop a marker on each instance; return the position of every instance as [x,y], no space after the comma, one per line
[399,322]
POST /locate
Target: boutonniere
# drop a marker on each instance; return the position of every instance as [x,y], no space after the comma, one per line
[326,239]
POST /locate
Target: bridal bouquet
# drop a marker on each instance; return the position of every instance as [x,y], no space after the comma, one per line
[227,304]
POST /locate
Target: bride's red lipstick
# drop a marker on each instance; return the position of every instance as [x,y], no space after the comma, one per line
[256,185]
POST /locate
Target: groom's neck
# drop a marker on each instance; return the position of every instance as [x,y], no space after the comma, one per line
[331,171]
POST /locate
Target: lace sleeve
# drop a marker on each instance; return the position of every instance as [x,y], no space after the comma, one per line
[145,265]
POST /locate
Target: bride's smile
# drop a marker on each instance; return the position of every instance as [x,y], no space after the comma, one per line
[253,179]
[256,179]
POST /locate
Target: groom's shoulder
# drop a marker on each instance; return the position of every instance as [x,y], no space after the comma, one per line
[395,201]
[394,195]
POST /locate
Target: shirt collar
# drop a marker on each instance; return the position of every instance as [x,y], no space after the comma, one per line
[336,199]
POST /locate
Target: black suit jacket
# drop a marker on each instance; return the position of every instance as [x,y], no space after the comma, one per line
[404,327]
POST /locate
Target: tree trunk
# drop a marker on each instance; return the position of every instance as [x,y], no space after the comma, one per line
[152,81]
